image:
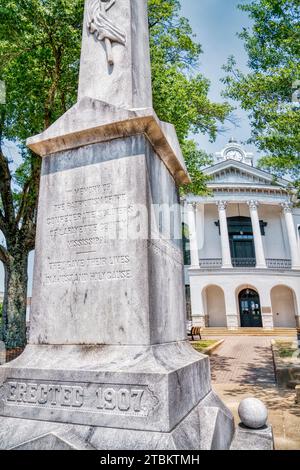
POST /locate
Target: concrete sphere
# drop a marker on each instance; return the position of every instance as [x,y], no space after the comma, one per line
[253,413]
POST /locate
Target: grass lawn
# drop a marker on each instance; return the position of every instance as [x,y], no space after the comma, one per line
[286,349]
[201,346]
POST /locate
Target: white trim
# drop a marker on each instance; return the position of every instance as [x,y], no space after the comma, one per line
[214,169]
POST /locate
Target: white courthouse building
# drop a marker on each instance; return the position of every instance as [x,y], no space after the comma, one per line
[242,247]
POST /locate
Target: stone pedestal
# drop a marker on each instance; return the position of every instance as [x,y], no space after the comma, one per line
[253,439]
[108,365]
[112,397]
[108,350]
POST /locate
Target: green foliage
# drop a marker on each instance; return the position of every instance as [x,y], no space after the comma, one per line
[196,158]
[203,345]
[273,47]
[39,61]
[180,92]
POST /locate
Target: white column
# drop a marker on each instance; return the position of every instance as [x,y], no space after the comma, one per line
[259,247]
[266,306]
[294,249]
[192,213]
[197,305]
[226,255]
[232,313]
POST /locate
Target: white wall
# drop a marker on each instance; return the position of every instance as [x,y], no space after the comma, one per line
[283,306]
[275,240]
[211,245]
[232,281]
[215,307]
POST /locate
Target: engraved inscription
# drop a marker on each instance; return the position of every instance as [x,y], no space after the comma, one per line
[85,221]
[92,269]
[109,398]
[42,394]
[122,400]
[161,246]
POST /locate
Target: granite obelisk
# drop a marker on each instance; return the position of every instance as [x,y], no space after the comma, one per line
[108,365]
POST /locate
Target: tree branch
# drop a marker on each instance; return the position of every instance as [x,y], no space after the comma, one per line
[6,191]
[2,222]
[3,254]
[28,208]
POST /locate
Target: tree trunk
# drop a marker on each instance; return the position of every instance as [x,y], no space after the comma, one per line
[15,300]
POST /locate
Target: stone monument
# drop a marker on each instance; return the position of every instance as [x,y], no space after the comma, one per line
[108,365]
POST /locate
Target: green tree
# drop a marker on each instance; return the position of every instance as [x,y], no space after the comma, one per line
[273,47]
[39,57]
[39,62]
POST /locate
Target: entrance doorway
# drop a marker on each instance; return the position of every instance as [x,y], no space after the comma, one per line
[250,310]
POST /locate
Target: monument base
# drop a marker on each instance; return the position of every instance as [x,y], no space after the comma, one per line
[209,426]
[111,397]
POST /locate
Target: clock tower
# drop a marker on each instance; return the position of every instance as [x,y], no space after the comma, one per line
[234,151]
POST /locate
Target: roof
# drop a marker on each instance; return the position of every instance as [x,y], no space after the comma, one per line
[232,172]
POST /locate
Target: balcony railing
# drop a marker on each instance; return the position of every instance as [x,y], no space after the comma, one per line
[279,263]
[243,262]
[211,263]
[214,264]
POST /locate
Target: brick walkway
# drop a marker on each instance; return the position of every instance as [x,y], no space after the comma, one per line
[243,367]
[243,360]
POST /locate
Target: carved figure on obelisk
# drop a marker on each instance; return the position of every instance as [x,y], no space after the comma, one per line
[104,29]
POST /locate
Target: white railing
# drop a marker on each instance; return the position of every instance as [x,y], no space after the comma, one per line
[213,264]
[279,263]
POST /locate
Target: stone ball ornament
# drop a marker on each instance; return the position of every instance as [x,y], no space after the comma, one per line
[253,413]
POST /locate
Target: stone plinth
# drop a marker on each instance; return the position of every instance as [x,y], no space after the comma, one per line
[250,439]
[108,365]
[108,345]
[105,273]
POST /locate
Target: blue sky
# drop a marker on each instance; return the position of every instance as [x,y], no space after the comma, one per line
[215,23]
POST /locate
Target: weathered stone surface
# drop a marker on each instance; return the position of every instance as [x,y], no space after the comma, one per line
[150,388]
[253,413]
[105,269]
[248,439]
[189,434]
[108,365]
[92,121]
[127,83]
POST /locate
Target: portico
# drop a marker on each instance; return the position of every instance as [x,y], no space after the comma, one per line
[248,267]
[261,262]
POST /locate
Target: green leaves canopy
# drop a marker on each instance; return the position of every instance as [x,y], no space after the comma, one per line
[273,47]
[39,62]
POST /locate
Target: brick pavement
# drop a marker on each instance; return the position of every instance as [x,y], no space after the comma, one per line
[243,359]
[242,367]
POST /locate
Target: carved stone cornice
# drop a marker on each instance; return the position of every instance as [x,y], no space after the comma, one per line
[287,207]
[192,205]
[222,205]
[253,205]
[92,121]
